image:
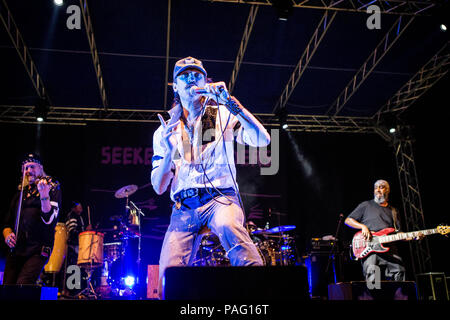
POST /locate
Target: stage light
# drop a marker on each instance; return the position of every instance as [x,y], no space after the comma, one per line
[129,281]
[283,8]
[58,2]
[282,117]
[443,27]
[392,130]
[41,109]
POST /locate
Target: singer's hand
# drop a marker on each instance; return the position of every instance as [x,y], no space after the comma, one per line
[10,240]
[218,90]
[167,133]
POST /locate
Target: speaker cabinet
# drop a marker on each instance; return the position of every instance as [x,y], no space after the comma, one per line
[321,271]
[237,283]
[432,286]
[385,290]
[28,292]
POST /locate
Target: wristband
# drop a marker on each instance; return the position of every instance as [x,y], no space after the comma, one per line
[233,107]
[45,198]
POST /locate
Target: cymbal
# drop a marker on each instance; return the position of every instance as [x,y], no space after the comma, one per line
[282,229]
[126,191]
[275,230]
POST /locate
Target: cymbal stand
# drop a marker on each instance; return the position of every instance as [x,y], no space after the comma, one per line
[139,211]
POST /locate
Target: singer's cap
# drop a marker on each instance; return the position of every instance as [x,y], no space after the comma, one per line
[31,157]
[188,63]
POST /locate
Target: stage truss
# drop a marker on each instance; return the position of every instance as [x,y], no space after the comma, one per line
[401,141]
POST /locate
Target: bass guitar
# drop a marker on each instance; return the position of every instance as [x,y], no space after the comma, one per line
[361,247]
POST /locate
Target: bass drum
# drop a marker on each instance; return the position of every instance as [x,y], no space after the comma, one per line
[59,251]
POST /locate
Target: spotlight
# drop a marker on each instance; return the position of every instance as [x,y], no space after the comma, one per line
[283,8]
[443,27]
[58,2]
[129,281]
[40,110]
[282,117]
[392,130]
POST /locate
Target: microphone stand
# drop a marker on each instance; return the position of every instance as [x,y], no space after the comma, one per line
[333,247]
[19,210]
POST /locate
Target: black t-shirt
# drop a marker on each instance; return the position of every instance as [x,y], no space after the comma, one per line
[374,216]
[36,228]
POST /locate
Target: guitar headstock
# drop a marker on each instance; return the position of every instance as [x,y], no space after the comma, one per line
[443,229]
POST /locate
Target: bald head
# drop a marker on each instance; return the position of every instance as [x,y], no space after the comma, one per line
[381,191]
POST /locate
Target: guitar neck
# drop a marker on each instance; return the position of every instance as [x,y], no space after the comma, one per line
[405,235]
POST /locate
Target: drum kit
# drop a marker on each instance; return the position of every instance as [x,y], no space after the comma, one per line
[103,249]
[275,246]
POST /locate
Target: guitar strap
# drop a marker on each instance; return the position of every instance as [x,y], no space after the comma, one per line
[394,218]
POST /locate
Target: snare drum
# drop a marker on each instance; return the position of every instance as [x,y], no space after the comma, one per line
[59,251]
[90,249]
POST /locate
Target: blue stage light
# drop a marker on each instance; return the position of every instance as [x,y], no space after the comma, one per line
[129,281]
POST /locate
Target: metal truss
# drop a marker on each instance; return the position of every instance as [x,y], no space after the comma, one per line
[400,7]
[318,123]
[82,116]
[424,79]
[302,64]
[76,116]
[22,51]
[94,52]
[394,33]
[243,46]
[412,204]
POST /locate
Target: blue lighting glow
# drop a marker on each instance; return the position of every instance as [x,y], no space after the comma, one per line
[129,281]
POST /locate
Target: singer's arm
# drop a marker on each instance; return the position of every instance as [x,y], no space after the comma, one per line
[252,127]
[163,152]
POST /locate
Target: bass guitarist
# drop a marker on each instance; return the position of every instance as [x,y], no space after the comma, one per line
[374,215]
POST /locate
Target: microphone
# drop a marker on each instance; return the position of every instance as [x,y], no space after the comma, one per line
[198,90]
[201,90]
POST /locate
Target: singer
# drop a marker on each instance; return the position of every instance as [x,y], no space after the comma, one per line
[202,174]
[29,225]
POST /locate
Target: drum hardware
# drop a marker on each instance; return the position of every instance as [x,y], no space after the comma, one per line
[132,229]
[274,245]
[210,252]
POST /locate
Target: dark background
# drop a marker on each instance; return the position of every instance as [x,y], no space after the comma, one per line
[131,39]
